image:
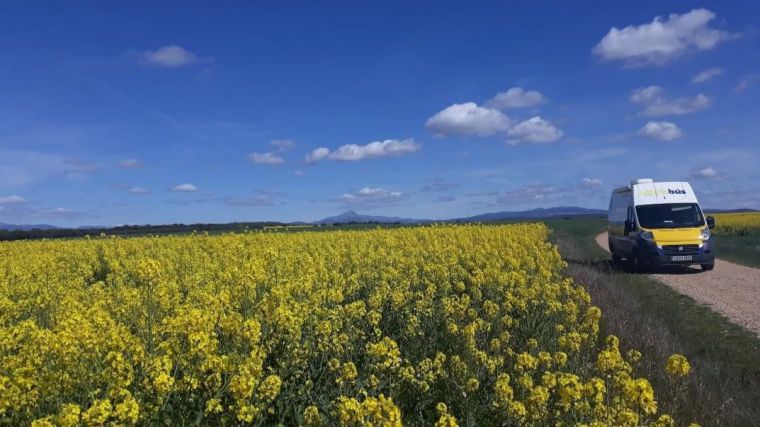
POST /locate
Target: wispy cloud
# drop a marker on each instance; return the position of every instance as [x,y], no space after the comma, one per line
[20,167]
[746,81]
[282,145]
[79,167]
[707,74]
[139,191]
[258,198]
[656,103]
[171,56]
[13,199]
[268,158]
[707,172]
[531,195]
[368,197]
[184,188]
[591,182]
[59,213]
[444,199]
[131,164]
[438,185]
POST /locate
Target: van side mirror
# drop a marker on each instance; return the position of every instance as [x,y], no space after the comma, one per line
[710,222]
[628,226]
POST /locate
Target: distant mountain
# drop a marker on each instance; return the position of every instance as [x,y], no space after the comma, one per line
[539,213]
[353,217]
[11,227]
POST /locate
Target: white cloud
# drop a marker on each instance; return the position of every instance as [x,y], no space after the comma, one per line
[468,119]
[317,154]
[707,172]
[131,164]
[516,97]
[591,182]
[661,41]
[663,131]
[656,103]
[369,196]
[13,199]
[535,130]
[267,158]
[184,188]
[142,191]
[375,149]
[282,144]
[170,56]
[707,75]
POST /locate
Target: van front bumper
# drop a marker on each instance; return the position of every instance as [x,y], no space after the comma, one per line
[668,255]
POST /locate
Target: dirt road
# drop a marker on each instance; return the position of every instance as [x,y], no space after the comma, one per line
[730,289]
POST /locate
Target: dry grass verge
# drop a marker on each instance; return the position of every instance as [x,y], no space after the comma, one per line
[724,388]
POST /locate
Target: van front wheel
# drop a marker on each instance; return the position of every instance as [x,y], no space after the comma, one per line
[638,264]
[634,263]
[708,267]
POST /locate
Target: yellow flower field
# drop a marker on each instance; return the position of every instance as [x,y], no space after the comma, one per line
[738,224]
[444,325]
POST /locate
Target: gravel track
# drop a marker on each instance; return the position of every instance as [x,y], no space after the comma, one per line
[730,289]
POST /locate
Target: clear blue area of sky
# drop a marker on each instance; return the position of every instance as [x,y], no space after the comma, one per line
[82,89]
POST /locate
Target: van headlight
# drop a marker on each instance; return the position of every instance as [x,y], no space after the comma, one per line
[705,234]
[647,235]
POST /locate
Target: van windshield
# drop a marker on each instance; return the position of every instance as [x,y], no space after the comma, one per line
[673,215]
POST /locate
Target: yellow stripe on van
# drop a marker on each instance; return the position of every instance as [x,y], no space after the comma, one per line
[677,236]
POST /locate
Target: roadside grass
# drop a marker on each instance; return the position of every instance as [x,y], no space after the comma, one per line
[743,250]
[724,386]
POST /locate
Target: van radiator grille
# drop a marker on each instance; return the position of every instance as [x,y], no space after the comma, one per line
[681,249]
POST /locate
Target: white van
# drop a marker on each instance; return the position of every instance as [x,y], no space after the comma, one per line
[652,224]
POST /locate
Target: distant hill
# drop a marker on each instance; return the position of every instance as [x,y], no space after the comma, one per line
[571,211]
[355,218]
[34,231]
[540,213]
[11,227]
[730,210]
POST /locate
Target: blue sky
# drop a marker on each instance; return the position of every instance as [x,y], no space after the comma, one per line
[115,113]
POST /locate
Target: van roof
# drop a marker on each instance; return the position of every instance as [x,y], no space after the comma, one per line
[653,193]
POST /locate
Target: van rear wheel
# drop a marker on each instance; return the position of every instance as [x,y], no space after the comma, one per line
[615,257]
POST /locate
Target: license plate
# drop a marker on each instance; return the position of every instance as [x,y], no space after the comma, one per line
[681,258]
